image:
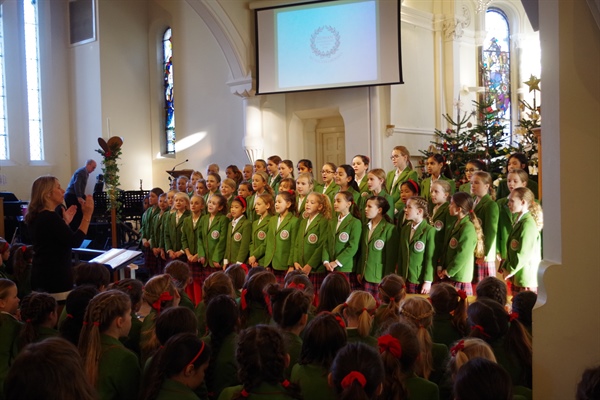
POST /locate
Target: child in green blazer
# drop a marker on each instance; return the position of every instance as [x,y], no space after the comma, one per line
[177,369]
[265,208]
[311,238]
[109,366]
[305,185]
[440,218]
[38,310]
[173,233]
[239,234]
[281,236]
[378,246]
[376,187]
[506,219]
[147,229]
[330,188]
[436,168]
[463,242]
[344,235]
[9,326]
[417,247]
[524,244]
[358,311]
[212,239]
[360,164]
[259,186]
[403,171]
[344,178]
[189,242]
[487,212]
[157,236]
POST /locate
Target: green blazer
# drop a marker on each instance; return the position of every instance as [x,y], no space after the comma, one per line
[132,341]
[148,221]
[394,190]
[487,213]
[190,235]
[301,207]
[173,232]
[331,191]
[465,187]
[158,237]
[523,254]
[118,371]
[379,254]
[442,221]
[415,261]
[362,204]
[250,213]
[442,330]
[506,219]
[211,242]
[274,183]
[354,337]
[225,365]
[458,256]
[238,241]
[425,189]
[279,246]
[309,243]
[259,236]
[312,380]
[343,242]
[363,184]
[173,390]
[10,328]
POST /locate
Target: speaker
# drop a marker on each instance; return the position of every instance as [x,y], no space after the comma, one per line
[82,21]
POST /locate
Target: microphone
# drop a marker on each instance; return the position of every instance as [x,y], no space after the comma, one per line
[177,165]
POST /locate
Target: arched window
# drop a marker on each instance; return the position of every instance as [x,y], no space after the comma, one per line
[4,154]
[32,67]
[495,68]
[168,92]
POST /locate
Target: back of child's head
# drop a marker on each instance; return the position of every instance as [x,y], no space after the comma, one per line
[419,312]
[446,300]
[360,305]
[299,280]
[133,288]
[334,291]
[173,321]
[288,305]
[237,275]
[36,310]
[482,379]
[19,263]
[75,306]
[92,274]
[324,335]
[392,290]
[399,349]
[215,284]
[492,288]
[588,387]
[179,272]
[101,311]
[261,357]
[357,372]
[174,358]
[160,292]
[52,370]
[490,321]
[253,271]
[254,293]
[467,349]
[222,316]
[522,304]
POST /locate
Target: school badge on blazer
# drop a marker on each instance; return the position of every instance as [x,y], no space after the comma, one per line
[379,244]
[215,234]
[438,225]
[261,235]
[312,238]
[453,243]
[284,235]
[237,236]
[344,237]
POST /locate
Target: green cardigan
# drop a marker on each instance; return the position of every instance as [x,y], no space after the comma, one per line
[9,331]
[415,261]
[421,389]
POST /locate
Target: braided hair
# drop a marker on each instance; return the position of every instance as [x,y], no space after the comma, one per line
[36,310]
[419,312]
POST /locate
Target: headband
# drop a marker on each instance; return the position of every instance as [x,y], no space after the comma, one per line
[241,200]
[414,185]
[353,376]
[244,267]
[299,286]
[198,354]
[391,344]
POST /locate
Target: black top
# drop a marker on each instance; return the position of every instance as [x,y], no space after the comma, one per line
[52,270]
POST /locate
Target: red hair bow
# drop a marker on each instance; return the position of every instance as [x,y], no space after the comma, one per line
[480,329]
[164,296]
[462,294]
[391,344]
[285,383]
[23,249]
[353,376]
[457,347]
[245,268]
[340,321]
[268,303]
[299,286]
[244,393]
[512,316]
[243,301]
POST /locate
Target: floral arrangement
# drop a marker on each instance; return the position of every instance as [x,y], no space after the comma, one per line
[110,152]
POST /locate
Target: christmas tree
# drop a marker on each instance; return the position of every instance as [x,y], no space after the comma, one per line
[463,141]
[530,119]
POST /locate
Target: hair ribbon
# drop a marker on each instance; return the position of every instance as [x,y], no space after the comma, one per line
[340,321]
[268,303]
[480,329]
[245,268]
[164,296]
[243,301]
[457,347]
[391,344]
[512,316]
[299,286]
[354,376]
[462,294]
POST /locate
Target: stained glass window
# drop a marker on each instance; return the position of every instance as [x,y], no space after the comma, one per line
[168,91]
[3,126]
[496,66]
[32,67]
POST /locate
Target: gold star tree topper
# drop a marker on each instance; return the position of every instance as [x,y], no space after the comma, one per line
[533,83]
